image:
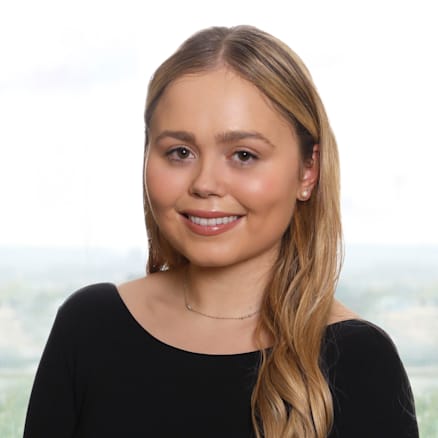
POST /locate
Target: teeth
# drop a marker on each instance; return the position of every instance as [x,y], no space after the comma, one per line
[212,221]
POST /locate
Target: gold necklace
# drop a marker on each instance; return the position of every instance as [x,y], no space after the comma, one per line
[191,309]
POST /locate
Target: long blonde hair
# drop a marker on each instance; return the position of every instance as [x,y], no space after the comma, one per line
[291,397]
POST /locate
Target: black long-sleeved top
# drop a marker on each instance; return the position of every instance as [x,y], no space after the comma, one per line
[102,375]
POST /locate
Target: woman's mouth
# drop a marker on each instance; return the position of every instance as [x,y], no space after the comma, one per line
[210,223]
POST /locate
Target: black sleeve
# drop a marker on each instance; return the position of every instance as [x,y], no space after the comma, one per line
[51,411]
[371,391]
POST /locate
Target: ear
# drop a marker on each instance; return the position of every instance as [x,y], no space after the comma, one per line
[309,174]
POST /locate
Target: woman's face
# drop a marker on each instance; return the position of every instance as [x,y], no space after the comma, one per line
[223,170]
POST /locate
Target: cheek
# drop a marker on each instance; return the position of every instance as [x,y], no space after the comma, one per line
[272,189]
[163,186]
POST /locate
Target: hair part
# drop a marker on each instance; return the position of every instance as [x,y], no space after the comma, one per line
[291,396]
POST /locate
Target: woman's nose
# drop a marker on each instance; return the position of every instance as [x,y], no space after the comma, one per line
[208,178]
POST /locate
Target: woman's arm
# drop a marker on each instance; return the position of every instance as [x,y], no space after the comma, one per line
[371,391]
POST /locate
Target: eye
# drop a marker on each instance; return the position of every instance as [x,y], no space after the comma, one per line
[179,153]
[244,156]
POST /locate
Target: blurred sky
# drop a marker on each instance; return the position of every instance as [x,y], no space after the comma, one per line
[73,80]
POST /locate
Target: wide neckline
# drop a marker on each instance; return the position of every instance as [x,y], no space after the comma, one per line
[195,353]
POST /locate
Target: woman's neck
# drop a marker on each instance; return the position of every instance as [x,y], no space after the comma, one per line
[231,291]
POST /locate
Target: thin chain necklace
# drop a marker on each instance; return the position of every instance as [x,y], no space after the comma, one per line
[191,309]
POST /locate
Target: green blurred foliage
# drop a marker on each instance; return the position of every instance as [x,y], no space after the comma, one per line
[14,396]
[427,413]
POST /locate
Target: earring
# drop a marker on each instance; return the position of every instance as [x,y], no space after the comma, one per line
[305,194]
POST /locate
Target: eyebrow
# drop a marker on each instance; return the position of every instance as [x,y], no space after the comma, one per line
[223,137]
[178,135]
[231,136]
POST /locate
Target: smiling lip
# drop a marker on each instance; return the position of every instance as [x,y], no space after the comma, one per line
[209,223]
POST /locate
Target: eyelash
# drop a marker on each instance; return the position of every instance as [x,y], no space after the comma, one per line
[251,157]
[173,155]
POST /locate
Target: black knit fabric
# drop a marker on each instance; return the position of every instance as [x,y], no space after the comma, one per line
[102,375]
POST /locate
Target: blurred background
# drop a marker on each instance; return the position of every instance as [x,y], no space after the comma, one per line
[73,81]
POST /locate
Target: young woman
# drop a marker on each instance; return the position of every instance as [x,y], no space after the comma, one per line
[234,331]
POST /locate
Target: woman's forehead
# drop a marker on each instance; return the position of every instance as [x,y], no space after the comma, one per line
[220,101]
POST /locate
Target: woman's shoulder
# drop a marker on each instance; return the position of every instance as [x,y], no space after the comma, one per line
[89,296]
[355,337]
[109,293]
[86,308]
[104,304]
[358,336]
[360,343]
[362,360]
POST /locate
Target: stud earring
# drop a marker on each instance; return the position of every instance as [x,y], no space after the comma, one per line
[305,194]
